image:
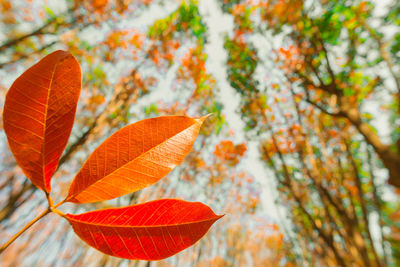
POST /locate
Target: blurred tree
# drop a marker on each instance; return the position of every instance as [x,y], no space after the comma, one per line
[316,115]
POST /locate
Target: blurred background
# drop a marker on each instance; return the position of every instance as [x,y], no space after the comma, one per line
[302,151]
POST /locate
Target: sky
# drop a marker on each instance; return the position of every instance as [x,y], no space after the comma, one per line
[218,24]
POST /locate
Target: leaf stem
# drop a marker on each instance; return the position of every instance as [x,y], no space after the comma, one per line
[49,200]
[44,213]
[58,212]
[51,208]
[58,204]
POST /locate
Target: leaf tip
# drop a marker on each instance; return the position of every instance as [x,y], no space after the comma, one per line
[202,119]
[219,217]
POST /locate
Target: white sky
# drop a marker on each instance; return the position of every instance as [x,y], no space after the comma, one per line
[218,24]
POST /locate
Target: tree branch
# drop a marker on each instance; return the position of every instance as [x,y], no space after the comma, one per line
[15,41]
[24,56]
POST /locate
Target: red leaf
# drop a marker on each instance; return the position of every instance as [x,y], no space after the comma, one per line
[39,112]
[151,231]
[134,157]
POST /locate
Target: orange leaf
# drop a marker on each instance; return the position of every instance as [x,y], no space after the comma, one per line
[39,112]
[150,231]
[134,157]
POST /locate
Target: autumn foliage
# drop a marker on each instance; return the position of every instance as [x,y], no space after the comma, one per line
[38,116]
[311,110]
[302,151]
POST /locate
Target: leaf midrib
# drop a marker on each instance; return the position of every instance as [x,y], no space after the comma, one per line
[144,226]
[141,155]
[45,124]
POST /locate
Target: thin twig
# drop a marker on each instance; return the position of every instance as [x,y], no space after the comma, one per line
[44,213]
